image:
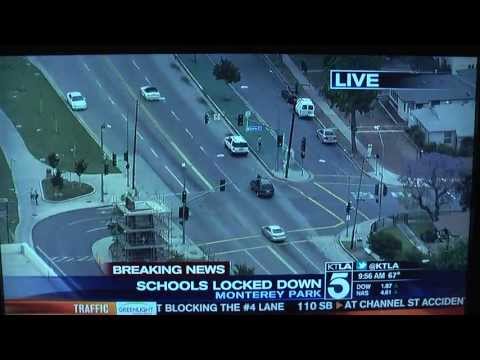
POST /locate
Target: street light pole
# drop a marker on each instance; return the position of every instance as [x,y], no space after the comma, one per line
[380,190]
[103,160]
[290,140]
[128,165]
[135,145]
[184,201]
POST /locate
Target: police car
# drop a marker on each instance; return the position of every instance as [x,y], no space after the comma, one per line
[236,144]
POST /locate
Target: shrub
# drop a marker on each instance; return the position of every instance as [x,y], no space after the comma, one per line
[417,135]
[385,245]
[445,149]
[432,147]
[466,147]
[429,236]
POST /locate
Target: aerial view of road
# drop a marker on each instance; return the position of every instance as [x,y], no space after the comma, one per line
[180,157]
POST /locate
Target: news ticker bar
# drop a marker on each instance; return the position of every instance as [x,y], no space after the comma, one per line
[382,80]
[412,306]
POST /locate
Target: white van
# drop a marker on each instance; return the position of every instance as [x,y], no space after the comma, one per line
[305,107]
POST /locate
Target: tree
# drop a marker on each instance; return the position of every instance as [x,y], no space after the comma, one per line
[57,181]
[453,257]
[350,101]
[466,146]
[430,179]
[464,188]
[80,167]
[227,71]
[243,269]
[53,160]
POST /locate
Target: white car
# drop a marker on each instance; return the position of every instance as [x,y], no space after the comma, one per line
[327,136]
[236,144]
[150,93]
[274,233]
[76,100]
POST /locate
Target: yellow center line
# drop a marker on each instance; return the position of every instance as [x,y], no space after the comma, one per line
[339,198]
[155,123]
[318,204]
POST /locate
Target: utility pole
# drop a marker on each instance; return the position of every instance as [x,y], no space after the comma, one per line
[184,203]
[290,140]
[103,160]
[380,189]
[128,164]
[135,145]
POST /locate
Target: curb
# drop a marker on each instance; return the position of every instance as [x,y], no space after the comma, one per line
[345,249]
[185,68]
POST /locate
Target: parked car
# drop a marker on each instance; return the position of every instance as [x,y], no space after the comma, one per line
[76,100]
[289,96]
[150,93]
[262,187]
[236,144]
[274,233]
[327,136]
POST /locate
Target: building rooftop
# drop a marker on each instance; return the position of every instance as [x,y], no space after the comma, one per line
[448,117]
[143,208]
[439,87]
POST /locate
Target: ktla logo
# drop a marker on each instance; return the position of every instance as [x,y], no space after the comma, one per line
[137,308]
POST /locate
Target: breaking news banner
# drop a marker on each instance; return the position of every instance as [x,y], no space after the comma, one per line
[168,268]
[141,289]
[383,80]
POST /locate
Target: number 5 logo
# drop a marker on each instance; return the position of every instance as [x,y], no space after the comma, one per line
[338,287]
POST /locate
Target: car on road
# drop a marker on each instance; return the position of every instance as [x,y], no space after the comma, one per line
[289,96]
[262,187]
[327,136]
[236,144]
[76,100]
[305,108]
[150,93]
[274,233]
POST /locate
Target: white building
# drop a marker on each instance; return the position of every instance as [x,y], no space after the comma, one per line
[446,123]
[432,90]
[457,63]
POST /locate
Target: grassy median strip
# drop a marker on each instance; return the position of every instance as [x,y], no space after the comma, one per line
[42,118]
[70,190]
[7,191]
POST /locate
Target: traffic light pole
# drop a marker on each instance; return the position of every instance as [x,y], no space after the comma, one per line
[128,165]
[103,160]
[290,141]
[184,203]
[356,205]
[380,190]
[135,145]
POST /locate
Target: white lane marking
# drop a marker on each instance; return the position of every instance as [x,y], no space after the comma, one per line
[54,258]
[228,178]
[244,87]
[189,133]
[281,259]
[202,150]
[98,83]
[220,155]
[258,263]
[96,229]
[46,256]
[113,102]
[135,64]
[240,250]
[178,181]
[322,161]
[84,258]
[175,115]
[124,117]
[306,257]
[60,259]
[148,81]
[70,259]
[86,66]
[154,153]
[140,135]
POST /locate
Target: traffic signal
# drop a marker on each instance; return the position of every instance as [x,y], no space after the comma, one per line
[304,144]
[114,159]
[206,118]
[385,190]
[184,196]
[349,207]
[376,189]
[105,169]
[280,140]
[302,154]
[222,184]
[125,156]
[240,119]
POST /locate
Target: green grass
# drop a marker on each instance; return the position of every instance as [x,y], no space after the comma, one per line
[7,191]
[70,190]
[35,108]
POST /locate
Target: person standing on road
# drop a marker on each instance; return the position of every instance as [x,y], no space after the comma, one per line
[36,197]
[259,142]
[31,195]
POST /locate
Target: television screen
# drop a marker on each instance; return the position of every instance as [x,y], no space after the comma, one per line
[234,184]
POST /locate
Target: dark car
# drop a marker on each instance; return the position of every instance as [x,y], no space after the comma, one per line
[262,187]
[289,96]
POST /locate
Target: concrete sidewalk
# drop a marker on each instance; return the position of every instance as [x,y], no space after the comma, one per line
[28,172]
[388,176]
[360,250]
